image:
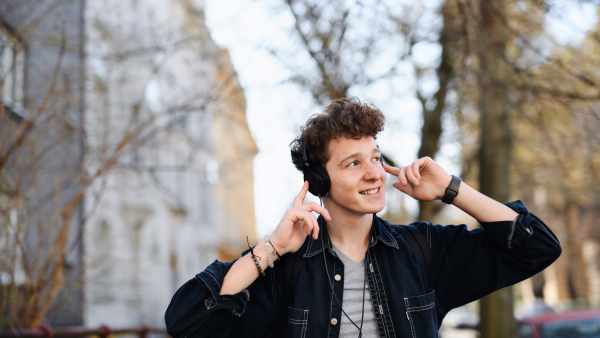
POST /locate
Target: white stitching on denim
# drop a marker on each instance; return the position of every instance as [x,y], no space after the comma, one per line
[303,334]
[199,280]
[425,295]
[412,329]
[210,302]
[393,242]
[372,294]
[206,284]
[421,308]
[310,242]
[216,281]
[387,309]
[296,321]
[378,298]
[376,289]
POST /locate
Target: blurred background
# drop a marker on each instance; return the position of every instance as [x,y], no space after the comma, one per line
[140,140]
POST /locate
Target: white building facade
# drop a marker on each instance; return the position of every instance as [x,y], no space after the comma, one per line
[153,96]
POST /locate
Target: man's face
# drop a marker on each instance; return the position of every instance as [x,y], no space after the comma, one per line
[357,175]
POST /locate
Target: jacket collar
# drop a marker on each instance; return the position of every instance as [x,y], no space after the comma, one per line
[380,231]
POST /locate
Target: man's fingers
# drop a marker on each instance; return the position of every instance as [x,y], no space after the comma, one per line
[407,189]
[317,208]
[316,231]
[410,176]
[402,175]
[304,217]
[391,170]
[415,169]
[310,221]
[300,197]
[315,228]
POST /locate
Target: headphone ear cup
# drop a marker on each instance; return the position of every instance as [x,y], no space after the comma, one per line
[318,180]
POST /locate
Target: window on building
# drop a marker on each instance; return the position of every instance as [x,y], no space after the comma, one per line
[12,232]
[12,70]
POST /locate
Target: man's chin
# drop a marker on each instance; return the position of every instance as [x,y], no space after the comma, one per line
[374,208]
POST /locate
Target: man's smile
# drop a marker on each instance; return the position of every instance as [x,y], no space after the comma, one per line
[370,192]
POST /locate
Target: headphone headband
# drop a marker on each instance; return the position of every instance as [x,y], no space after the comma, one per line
[303,148]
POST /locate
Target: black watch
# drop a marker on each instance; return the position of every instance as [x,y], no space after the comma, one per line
[452,190]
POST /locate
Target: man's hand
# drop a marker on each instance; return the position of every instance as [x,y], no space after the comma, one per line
[429,180]
[297,223]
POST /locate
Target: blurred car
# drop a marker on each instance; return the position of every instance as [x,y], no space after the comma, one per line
[578,324]
[533,308]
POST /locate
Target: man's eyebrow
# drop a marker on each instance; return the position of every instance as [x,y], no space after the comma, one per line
[349,157]
[357,155]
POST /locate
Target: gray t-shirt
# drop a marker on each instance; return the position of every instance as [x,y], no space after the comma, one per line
[352,303]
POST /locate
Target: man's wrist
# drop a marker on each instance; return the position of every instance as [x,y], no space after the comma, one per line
[279,248]
[442,188]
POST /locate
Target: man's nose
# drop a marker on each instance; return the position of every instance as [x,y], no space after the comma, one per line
[372,172]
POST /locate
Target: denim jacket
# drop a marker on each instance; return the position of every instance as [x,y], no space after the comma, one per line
[468,265]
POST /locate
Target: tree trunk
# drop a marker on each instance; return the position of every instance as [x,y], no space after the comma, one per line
[496,310]
[577,270]
[432,119]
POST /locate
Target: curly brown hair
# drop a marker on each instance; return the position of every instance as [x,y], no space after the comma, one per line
[346,117]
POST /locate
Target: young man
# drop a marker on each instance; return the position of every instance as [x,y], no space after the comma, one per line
[359,276]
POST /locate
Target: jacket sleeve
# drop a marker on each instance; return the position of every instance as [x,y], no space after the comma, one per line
[197,309]
[472,264]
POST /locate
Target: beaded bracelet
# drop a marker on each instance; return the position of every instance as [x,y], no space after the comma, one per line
[268,245]
[260,270]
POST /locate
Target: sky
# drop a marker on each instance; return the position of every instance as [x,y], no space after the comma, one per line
[276,108]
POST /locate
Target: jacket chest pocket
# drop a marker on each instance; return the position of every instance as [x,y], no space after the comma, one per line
[297,321]
[420,312]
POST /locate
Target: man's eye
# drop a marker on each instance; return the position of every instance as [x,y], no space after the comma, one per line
[376,159]
[353,164]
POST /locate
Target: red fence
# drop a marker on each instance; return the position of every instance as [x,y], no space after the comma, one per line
[102,332]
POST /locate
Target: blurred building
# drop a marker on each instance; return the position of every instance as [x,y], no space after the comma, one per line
[184,193]
[41,114]
[157,102]
[234,149]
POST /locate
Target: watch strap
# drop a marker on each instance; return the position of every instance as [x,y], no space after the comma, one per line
[452,190]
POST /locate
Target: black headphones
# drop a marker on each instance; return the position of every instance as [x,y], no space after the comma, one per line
[317,177]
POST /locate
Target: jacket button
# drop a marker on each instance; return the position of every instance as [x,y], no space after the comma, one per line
[337,278]
[333,321]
